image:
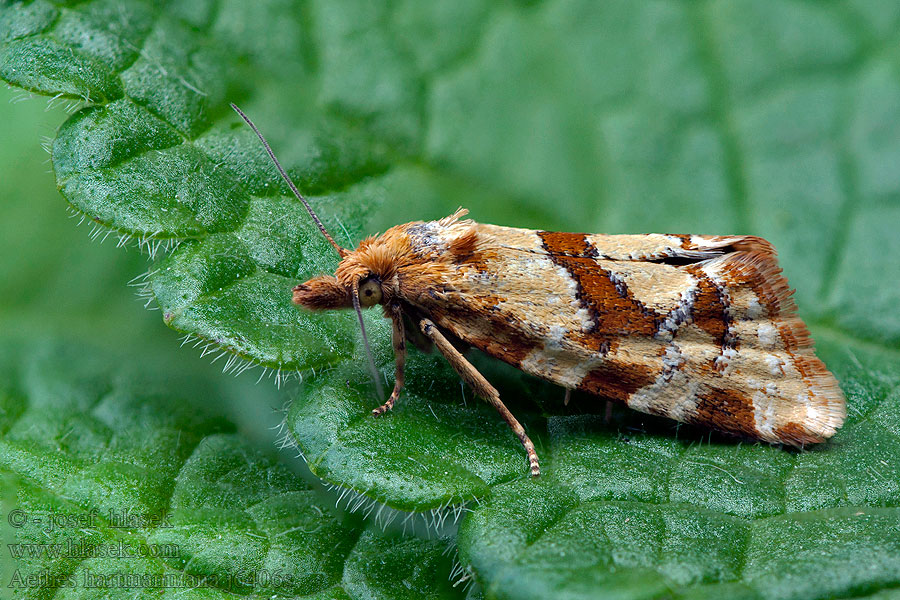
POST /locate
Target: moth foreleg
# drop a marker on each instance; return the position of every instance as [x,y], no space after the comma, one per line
[482,387]
[398,339]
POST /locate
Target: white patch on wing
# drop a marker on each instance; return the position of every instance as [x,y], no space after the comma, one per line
[774,363]
[764,413]
[584,316]
[552,363]
[754,308]
[812,414]
[557,335]
[684,405]
[674,392]
[673,395]
[767,335]
[673,358]
[698,241]
[725,361]
[712,243]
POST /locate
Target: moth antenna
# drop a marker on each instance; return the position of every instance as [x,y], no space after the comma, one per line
[342,252]
[365,338]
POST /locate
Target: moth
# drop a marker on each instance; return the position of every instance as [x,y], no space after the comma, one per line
[700,329]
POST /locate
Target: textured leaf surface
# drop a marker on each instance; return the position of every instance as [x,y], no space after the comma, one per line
[114,484]
[773,118]
[648,515]
[158,156]
[440,447]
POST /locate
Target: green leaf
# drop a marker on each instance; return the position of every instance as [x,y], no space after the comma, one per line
[439,447]
[764,117]
[158,155]
[648,510]
[114,483]
[407,568]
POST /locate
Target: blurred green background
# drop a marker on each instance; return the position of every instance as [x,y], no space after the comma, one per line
[52,277]
[56,282]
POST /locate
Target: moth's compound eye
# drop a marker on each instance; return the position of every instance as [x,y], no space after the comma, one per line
[370,292]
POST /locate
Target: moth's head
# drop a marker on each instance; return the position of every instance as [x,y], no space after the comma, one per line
[365,269]
[326,292]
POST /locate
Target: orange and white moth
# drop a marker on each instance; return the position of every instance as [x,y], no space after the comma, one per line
[700,329]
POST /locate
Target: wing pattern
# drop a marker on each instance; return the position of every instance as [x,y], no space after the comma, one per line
[701,329]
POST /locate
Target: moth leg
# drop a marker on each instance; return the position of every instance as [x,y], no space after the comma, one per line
[398,340]
[482,387]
